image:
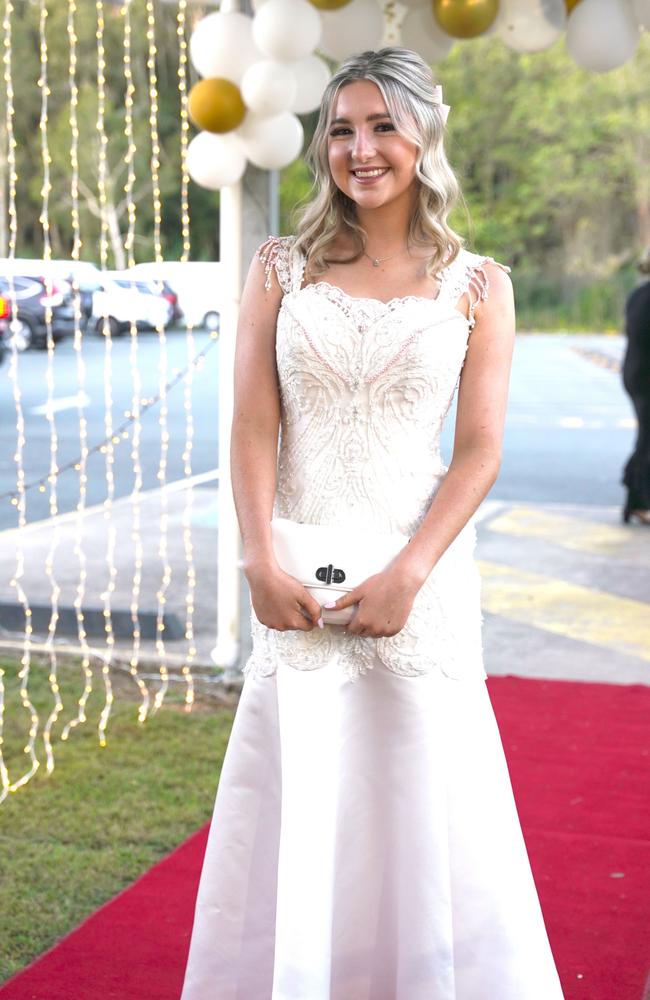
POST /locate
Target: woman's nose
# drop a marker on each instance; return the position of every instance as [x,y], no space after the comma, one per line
[363,147]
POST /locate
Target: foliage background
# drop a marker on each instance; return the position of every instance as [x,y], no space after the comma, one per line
[552,160]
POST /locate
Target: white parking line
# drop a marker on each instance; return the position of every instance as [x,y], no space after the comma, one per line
[64,403]
[571,422]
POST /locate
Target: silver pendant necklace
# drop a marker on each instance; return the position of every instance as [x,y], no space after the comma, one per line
[376,261]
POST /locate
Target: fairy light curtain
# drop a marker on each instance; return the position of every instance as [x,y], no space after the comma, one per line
[125,35]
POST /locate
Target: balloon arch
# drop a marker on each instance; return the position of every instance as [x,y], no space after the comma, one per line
[261,72]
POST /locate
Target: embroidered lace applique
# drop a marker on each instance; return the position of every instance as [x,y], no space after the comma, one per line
[365,389]
[470,277]
[275,255]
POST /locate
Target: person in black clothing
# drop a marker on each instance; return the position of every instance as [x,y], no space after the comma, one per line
[636,379]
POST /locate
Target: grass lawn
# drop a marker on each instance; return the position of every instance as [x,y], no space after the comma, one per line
[71,840]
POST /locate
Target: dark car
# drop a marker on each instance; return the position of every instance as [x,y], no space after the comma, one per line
[27,300]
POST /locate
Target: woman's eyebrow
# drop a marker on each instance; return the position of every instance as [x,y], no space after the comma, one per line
[370,118]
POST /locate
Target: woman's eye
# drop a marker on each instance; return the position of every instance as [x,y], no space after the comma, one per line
[344,130]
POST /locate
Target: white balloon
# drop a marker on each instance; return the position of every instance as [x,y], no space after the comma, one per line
[215,161]
[312,76]
[602,35]
[641,10]
[269,87]
[354,28]
[286,29]
[530,25]
[222,45]
[420,31]
[271,143]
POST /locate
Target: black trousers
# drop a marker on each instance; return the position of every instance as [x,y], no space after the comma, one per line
[636,474]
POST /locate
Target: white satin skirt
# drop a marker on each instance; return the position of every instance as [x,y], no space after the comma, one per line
[365,845]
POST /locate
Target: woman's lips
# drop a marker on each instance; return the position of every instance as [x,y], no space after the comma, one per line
[369,175]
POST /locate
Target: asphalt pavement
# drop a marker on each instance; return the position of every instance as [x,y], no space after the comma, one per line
[101,386]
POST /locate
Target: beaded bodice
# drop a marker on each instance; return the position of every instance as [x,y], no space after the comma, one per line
[365,388]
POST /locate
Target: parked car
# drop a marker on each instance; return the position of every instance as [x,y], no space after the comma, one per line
[45,271]
[127,280]
[119,304]
[5,311]
[172,297]
[162,287]
[68,274]
[196,284]
[86,276]
[28,299]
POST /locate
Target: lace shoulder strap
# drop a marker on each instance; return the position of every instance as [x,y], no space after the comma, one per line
[276,255]
[466,275]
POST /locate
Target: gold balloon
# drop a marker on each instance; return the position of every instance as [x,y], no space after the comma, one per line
[465,18]
[570,4]
[216,105]
[329,4]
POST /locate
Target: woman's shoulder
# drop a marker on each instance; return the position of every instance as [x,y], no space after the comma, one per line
[275,244]
[475,275]
[475,271]
[275,256]
[640,293]
[471,261]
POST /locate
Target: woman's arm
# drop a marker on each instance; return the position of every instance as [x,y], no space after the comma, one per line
[480,421]
[385,600]
[277,598]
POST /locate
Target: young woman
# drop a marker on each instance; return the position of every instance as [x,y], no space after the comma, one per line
[365,843]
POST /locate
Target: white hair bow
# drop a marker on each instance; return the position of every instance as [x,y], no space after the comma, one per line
[437,100]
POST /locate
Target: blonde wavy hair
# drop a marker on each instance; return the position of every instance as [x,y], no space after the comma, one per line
[407,86]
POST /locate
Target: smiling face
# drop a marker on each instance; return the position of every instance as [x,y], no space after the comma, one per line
[370,161]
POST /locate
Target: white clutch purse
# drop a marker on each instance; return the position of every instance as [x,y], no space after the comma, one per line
[330,560]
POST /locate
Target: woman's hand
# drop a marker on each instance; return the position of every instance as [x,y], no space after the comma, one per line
[281,602]
[384,603]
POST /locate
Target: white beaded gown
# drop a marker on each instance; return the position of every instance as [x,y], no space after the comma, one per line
[365,843]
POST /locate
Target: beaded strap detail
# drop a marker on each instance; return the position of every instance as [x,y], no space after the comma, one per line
[478,285]
[274,254]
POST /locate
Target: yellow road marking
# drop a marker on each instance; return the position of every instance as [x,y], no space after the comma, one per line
[568,532]
[617,623]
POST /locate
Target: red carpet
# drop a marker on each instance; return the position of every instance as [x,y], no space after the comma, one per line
[579,757]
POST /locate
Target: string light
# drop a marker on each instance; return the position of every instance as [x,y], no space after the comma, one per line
[19,501]
[136,381]
[131,426]
[161,594]
[82,464]
[4,774]
[108,447]
[188,546]
[55,590]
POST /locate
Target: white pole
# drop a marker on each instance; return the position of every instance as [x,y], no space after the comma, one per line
[226,652]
